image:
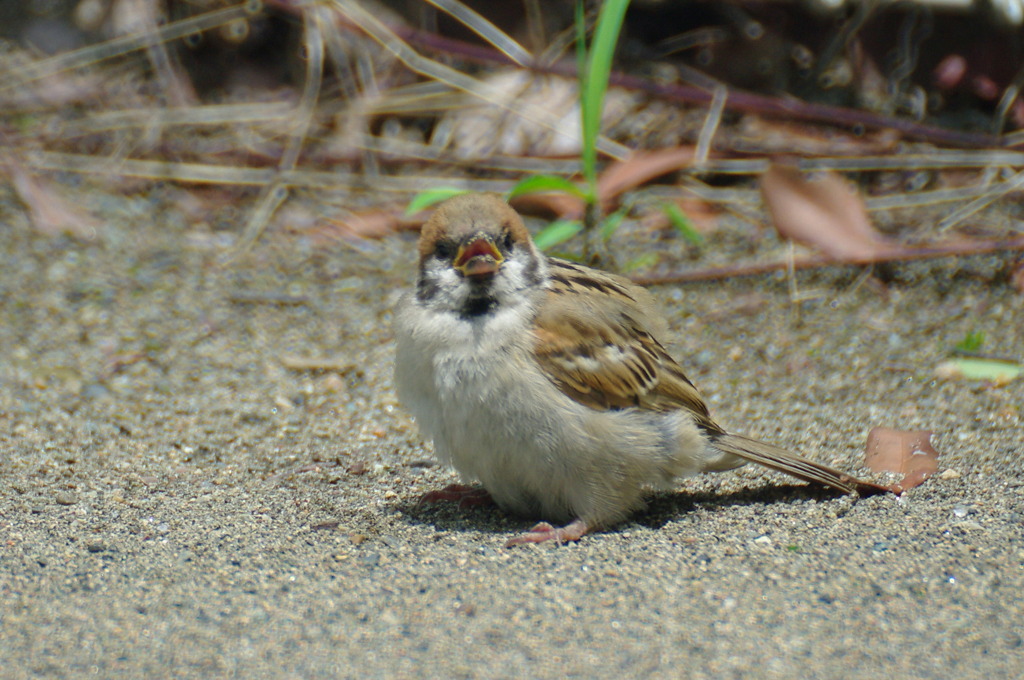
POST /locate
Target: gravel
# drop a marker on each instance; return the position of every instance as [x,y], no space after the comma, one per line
[176,501]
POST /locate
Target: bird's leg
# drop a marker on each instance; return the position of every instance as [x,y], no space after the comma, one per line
[467,496]
[573,531]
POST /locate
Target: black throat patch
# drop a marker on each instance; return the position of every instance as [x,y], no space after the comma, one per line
[475,307]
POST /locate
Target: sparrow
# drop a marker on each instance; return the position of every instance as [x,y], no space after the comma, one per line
[548,383]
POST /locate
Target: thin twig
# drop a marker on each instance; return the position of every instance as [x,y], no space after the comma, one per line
[738,100]
[711,122]
[129,43]
[899,253]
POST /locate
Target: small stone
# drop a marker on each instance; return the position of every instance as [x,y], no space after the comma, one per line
[92,391]
[95,546]
[332,383]
[949,473]
[66,498]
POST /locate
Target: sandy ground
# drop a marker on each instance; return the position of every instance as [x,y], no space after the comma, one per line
[181,497]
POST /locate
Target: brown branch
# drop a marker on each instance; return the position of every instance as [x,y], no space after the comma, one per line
[737,101]
[894,254]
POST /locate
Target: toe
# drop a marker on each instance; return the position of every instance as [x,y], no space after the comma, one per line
[544,532]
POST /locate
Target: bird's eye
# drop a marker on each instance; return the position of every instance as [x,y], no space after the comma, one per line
[444,250]
[506,241]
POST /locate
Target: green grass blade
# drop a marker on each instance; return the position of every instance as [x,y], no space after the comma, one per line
[594,85]
[588,153]
[611,223]
[581,45]
[682,223]
[426,199]
[539,184]
[972,342]
[557,232]
[645,261]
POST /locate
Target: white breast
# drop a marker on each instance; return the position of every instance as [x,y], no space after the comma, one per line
[497,419]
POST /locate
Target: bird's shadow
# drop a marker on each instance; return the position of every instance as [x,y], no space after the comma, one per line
[662,508]
[667,507]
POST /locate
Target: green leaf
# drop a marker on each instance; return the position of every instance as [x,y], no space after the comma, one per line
[557,232]
[972,342]
[430,197]
[545,184]
[682,223]
[995,370]
[611,223]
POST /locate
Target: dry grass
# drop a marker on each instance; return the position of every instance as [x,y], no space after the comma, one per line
[375,110]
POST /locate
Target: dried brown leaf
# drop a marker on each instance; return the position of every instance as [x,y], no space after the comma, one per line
[823,212]
[562,206]
[905,452]
[369,224]
[641,167]
[49,212]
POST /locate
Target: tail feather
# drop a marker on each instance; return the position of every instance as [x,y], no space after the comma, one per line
[779,459]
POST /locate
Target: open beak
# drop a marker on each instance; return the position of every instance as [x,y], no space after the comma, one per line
[478,258]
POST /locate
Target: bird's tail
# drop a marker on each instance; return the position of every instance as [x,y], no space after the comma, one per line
[779,459]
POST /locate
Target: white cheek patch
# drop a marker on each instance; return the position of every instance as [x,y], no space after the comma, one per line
[444,274]
[451,289]
[513,278]
[509,288]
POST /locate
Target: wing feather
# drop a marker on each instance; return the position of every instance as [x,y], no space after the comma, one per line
[600,345]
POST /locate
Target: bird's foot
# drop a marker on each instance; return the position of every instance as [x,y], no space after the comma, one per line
[573,531]
[466,496]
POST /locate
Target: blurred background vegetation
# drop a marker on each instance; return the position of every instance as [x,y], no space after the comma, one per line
[863,131]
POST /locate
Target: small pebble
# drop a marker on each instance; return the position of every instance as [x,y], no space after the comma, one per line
[66,498]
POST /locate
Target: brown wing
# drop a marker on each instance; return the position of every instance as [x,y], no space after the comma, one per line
[597,342]
[600,346]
